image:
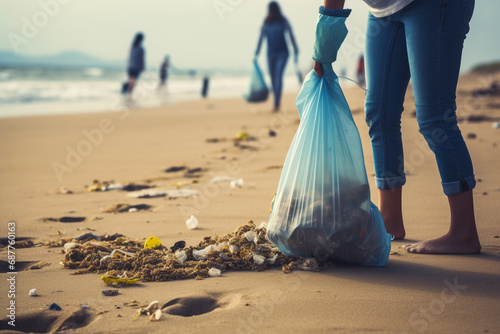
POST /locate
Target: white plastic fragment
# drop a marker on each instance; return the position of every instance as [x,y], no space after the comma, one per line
[236,183]
[199,254]
[156,315]
[263,225]
[214,272]
[132,210]
[181,256]
[252,236]
[219,179]
[233,249]
[258,259]
[272,260]
[495,125]
[69,245]
[33,293]
[192,222]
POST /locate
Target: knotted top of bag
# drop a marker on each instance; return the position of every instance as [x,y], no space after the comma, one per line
[330,34]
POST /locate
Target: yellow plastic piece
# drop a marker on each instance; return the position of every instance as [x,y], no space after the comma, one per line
[242,136]
[111,279]
[152,242]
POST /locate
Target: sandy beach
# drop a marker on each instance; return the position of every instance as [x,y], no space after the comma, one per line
[412,294]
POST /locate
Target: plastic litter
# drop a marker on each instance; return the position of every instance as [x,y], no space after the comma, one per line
[496,125]
[152,242]
[178,245]
[181,256]
[55,307]
[258,91]
[219,179]
[33,293]
[258,259]
[192,222]
[214,272]
[109,280]
[110,292]
[322,207]
[236,183]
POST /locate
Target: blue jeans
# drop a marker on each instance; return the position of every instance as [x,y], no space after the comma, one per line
[423,40]
[276,63]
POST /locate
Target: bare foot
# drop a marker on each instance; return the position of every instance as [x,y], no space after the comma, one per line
[390,208]
[447,244]
[395,228]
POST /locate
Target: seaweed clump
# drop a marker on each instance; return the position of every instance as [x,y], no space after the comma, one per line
[247,248]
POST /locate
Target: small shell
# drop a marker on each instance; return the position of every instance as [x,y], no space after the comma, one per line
[258,259]
[214,272]
[33,293]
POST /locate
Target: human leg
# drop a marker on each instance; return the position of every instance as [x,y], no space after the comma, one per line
[387,74]
[277,63]
[435,32]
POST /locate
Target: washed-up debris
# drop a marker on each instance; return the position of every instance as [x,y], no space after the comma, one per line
[192,222]
[100,185]
[33,293]
[38,265]
[64,191]
[174,169]
[272,133]
[170,193]
[178,245]
[55,307]
[123,207]
[152,242]
[495,125]
[194,172]
[220,179]
[247,248]
[110,292]
[214,272]
[236,183]
[65,219]
[152,310]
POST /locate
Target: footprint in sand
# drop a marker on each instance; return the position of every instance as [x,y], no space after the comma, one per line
[189,306]
[196,305]
[48,321]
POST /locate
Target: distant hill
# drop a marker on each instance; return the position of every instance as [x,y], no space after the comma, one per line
[487,68]
[63,59]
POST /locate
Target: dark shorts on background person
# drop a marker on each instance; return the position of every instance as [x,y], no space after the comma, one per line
[133,73]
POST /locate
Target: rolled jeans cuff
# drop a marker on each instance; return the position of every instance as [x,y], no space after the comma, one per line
[390,182]
[457,187]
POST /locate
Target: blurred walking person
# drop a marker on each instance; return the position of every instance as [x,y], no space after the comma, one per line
[136,62]
[274,28]
[164,73]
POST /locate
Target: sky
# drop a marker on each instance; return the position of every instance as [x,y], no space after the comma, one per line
[198,33]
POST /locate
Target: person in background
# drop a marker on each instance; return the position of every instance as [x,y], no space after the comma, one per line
[422,39]
[164,72]
[136,62]
[360,72]
[274,28]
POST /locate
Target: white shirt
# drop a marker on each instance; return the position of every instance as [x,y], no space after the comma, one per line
[381,8]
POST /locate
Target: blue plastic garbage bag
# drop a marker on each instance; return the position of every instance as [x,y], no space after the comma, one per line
[322,207]
[258,90]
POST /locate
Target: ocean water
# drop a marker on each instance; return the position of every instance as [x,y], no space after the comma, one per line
[28,91]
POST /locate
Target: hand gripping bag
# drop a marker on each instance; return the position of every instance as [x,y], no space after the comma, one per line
[322,208]
[258,91]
